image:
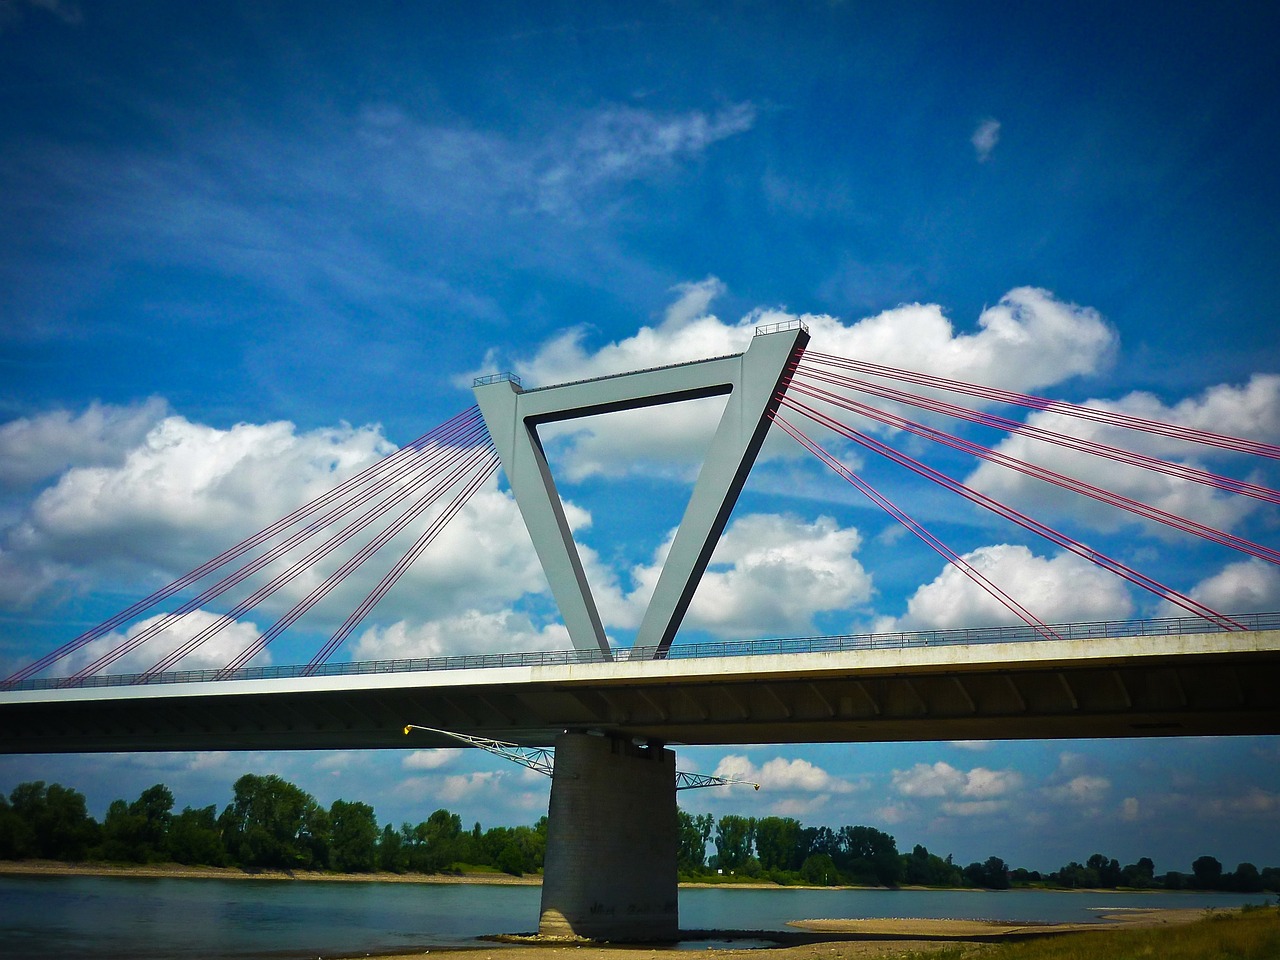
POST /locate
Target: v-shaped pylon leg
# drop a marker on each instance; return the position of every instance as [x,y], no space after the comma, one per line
[754,381]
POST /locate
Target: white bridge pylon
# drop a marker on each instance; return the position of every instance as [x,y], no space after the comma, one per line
[754,381]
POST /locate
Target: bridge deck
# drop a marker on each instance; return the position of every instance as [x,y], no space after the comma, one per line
[1178,685]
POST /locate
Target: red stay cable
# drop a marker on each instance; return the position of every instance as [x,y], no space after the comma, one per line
[232,553]
[946,552]
[1028,523]
[1119,454]
[1114,418]
[346,569]
[367,517]
[1102,495]
[389,579]
[301,566]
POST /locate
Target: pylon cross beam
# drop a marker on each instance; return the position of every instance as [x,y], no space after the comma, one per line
[754,382]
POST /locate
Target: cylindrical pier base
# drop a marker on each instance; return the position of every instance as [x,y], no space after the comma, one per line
[610,870]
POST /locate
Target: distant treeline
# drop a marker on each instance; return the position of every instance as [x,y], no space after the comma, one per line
[273,824]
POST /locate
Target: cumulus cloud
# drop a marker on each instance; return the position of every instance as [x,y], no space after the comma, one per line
[177,492]
[464,786]
[769,574]
[1251,410]
[773,574]
[1060,589]
[39,447]
[985,138]
[967,790]
[782,774]
[213,653]
[428,759]
[471,632]
[1029,339]
[1084,789]
[1247,586]
[159,494]
[1254,803]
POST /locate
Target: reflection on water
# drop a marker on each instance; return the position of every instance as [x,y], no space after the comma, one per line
[100,918]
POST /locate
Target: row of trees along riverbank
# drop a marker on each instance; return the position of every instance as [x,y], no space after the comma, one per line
[273,824]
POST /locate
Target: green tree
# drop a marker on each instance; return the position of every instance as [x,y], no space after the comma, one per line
[1139,875]
[778,843]
[353,837]
[194,837]
[436,843]
[993,874]
[819,870]
[925,869]
[869,855]
[139,831]
[17,839]
[391,852]
[1109,873]
[1206,873]
[57,823]
[735,837]
[272,823]
[693,832]
[1246,879]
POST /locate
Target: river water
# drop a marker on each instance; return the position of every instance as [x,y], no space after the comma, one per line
[100,918]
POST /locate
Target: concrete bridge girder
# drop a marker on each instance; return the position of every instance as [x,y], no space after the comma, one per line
[1218,684]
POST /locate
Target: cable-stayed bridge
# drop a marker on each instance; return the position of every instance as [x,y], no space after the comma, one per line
[612,712]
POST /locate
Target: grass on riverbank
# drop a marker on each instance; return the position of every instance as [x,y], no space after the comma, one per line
[1253,934]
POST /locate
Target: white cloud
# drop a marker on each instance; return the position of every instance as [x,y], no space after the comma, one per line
[773,574]
[1247,586]
[213,653]
[1029,339]
[173,498]
[783,774]
[973,808]
[428,759]
[165,496]
[985,138]
[617,144]
[1255,803]
[769,574]
[42,446]
[941,779]
[1084,789]
[1061,589]
[977,746]
[1251,411]
[1130,809]
[460,787]
[473,631]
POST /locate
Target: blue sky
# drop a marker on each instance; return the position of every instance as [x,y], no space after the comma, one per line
[246,247]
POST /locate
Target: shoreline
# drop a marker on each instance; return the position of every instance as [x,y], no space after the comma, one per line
[178,871]
[157,871]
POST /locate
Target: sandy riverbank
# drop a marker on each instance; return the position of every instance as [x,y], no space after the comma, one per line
[874,939]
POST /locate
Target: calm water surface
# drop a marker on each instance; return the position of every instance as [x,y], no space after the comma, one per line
[102,918]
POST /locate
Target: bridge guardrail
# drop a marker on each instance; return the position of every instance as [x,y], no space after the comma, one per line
[685,651]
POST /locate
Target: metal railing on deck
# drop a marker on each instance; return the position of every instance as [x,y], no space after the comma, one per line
[687,651]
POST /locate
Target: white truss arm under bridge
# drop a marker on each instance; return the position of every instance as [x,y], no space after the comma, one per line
[542,759]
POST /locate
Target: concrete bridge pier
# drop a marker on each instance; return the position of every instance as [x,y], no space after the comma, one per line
[610,869]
